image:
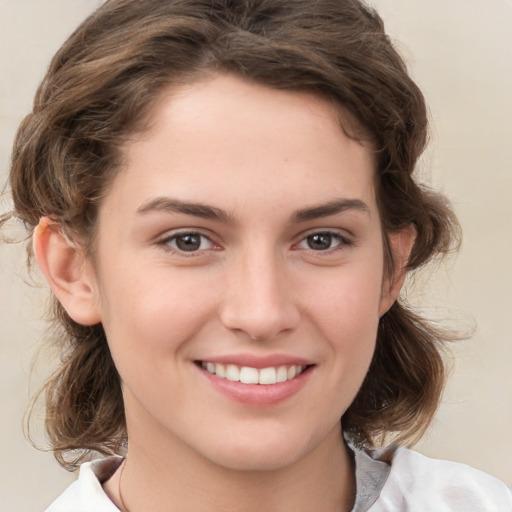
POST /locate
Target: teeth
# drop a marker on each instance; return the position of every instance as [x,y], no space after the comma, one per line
[282,374]
[267,376]
[220,370]
[248,375]
[232,372]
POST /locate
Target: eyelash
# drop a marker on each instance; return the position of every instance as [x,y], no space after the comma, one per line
[167,241]
[342,242]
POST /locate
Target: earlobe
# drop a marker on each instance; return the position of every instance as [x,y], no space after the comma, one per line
[63,266]
[401,246]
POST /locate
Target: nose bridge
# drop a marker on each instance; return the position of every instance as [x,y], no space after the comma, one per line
[258,299]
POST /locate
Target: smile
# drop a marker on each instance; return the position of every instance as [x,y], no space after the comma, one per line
[249,375]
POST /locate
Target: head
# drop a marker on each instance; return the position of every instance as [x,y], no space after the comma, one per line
[101,93]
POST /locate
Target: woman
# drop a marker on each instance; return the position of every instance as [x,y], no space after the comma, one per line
[221,200]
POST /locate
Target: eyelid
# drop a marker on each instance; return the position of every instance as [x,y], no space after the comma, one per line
[165,240]
[344,238]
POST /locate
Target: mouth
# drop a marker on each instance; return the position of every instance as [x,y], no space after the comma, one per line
[249,375]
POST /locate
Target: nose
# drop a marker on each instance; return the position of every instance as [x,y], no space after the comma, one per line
[259,299]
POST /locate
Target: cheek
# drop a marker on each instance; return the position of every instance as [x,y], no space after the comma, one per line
[148,317]
[347,315]
[351,329]
[346,300]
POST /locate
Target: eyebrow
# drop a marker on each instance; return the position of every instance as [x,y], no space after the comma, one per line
[210,212]
[330,208]
[196,209]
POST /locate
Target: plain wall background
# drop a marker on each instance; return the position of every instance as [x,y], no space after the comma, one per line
[460,52]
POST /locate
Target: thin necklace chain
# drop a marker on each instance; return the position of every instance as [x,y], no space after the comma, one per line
[125,508]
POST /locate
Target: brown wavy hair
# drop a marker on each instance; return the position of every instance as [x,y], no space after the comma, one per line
[97,90]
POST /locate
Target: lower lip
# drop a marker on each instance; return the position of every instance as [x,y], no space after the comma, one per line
[258,394]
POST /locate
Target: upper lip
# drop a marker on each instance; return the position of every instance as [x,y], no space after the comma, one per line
[255,361]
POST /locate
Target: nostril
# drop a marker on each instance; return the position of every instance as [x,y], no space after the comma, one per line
[260,324]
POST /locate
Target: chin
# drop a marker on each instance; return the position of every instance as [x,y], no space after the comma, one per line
[263,454]
[247,460]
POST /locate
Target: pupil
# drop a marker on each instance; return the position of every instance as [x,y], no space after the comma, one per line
[189,243]
[319,241]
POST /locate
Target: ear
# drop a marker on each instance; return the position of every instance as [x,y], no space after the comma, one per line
[70,278]
[401,244]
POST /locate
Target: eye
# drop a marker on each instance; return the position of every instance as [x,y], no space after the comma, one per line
[322,241]
[188,242]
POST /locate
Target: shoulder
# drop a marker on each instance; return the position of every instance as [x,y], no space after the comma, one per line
[416,482]
[86,493]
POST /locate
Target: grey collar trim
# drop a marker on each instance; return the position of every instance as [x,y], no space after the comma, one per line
[372,471]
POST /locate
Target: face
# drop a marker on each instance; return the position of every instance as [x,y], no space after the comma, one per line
[239,274]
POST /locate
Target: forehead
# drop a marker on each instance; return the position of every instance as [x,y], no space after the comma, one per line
[227,135]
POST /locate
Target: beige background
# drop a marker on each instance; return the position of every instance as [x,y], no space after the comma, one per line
[460,52]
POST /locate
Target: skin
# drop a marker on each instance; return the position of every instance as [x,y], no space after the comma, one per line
[259,284]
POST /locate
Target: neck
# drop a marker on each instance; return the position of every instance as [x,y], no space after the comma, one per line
[160,480]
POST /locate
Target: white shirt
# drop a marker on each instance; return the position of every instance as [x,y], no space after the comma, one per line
[411,483]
